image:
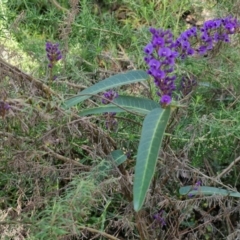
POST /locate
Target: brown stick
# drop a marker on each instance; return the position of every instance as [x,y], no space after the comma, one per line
[99,232]
[141,225]
[65,159]
[58,6]
[228,168]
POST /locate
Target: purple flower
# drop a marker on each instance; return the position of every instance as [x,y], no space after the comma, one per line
[159,219]
[197,185]
[165,100]
[154,64]
[109,95]
[190,195]
[183,44]
[195,188]
[163,51]
[53,53]
[230,24]
[158,74]
[202,50]
[217,30]
[4,107]
[149,49]
[160,58]
[212,32]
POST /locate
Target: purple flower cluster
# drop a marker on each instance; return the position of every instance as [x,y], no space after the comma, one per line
[160,57]
[216,30]
[212,31]
[4,107]
[109,96]
[162,51]
[197,185]
[183,44]
[159,219]
[53,53]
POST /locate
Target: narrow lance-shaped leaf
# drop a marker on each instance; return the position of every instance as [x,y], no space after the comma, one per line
[153,130]
[127,103]
[137,104]
[111,82]
[205,190]
[101,110]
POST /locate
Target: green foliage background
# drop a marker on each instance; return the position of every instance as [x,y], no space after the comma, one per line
[43,197]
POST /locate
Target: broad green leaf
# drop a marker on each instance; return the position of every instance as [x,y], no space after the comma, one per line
[109,83]
[153,130]
[140,105]
[127,103]
[204,190]
[118,156]
[101,109]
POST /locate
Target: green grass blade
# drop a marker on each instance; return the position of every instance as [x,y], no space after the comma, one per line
[133,104]
[109,83]
[153,130]
[204,190]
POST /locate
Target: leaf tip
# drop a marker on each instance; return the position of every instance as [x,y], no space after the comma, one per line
[137,204]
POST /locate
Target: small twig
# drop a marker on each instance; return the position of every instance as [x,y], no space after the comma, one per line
[58,6]
[60,126]
[15,222]
[228,168]
[208,167]
[65,159]
[232,104]
[99,232]
[13,72]
[141,225]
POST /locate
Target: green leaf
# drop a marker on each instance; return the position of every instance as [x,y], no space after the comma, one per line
[136,104]
[101,109]
[153,130]
[118,156]
[204,190]
[127,103]
[109,83]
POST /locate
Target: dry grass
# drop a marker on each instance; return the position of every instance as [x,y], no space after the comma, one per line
[50,156]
